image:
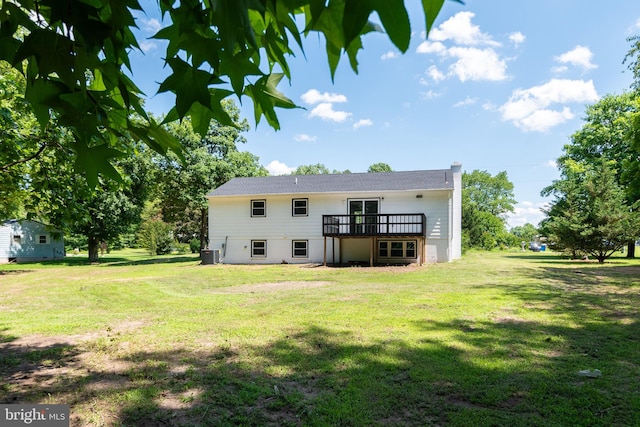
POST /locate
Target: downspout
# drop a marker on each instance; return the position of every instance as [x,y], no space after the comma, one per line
[450,245]
[224,249]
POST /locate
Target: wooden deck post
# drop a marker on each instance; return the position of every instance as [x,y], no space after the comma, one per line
[371,252]
[325,251]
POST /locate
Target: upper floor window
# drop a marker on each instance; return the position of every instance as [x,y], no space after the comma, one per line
[258,208]
[300,207]
[42,239]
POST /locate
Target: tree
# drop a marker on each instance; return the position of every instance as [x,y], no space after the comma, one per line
[526,232]
[102,212]
[317,169]
[22,141]
[590,213]
[75,56]
[605,135]
[208,162]
[486,193]
[379,167]
[486,200]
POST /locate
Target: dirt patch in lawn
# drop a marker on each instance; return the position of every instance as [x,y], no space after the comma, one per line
[272,287]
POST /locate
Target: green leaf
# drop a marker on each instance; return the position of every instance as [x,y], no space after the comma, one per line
[95,161]
[41,94]
[190,85]
[266,97]
[238,67]
[201,116]
[97,83]
[329,23]
[431,10]
[395,20]
[356,16]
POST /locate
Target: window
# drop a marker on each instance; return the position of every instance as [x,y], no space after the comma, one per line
[300,249]
[258,248]
[364,215]
[397,249]
[258,208]
[42,239]
[300,207]
[17,239]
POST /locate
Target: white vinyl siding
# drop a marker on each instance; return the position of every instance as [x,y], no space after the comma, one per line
[231,230]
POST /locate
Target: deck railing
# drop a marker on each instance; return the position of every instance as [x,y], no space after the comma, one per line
[373,225]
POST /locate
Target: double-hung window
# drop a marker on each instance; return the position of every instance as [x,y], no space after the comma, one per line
[258,208]
[258,249]
[300,249]
[300,207]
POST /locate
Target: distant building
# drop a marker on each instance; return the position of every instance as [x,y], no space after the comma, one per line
[370,218]
[23,241]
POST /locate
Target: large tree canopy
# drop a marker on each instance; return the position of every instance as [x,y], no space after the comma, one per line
[75,55]
[590,214]
[486,200]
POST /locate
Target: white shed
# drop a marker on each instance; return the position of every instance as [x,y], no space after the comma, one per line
[23,241]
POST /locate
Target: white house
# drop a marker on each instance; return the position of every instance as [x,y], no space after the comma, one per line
[22,241]
[372,218]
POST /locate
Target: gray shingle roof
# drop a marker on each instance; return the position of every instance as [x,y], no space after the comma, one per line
[337,183]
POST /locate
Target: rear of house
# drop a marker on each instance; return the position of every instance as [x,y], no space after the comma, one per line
[369,218]
[23,241]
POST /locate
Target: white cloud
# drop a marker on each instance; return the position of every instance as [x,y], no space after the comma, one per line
[303,137]
[526,212]
[580,56]
[517,38]
[279,168]
[325,111]
[559,69]
[528,108]
[389,55]
[431,47]
[551,164]
[489,106]
[150,25]
[313,96]
[460,29]
[477,64]
[543,120]
[465,102]
[471,61]
[435,74]
[634,28]
[430,94]
[362,122]
[147,46]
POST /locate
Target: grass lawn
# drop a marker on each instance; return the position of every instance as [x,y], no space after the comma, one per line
[490,340]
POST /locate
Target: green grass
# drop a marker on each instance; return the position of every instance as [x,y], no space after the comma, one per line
[492,339]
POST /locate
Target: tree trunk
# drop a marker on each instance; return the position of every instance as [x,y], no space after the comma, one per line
[94,246]
[631,249]
[204,225]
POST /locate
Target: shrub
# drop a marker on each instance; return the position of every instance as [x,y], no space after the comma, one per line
[194,245]
[156,236]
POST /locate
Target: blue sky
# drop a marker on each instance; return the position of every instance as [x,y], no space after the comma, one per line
[499,85]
